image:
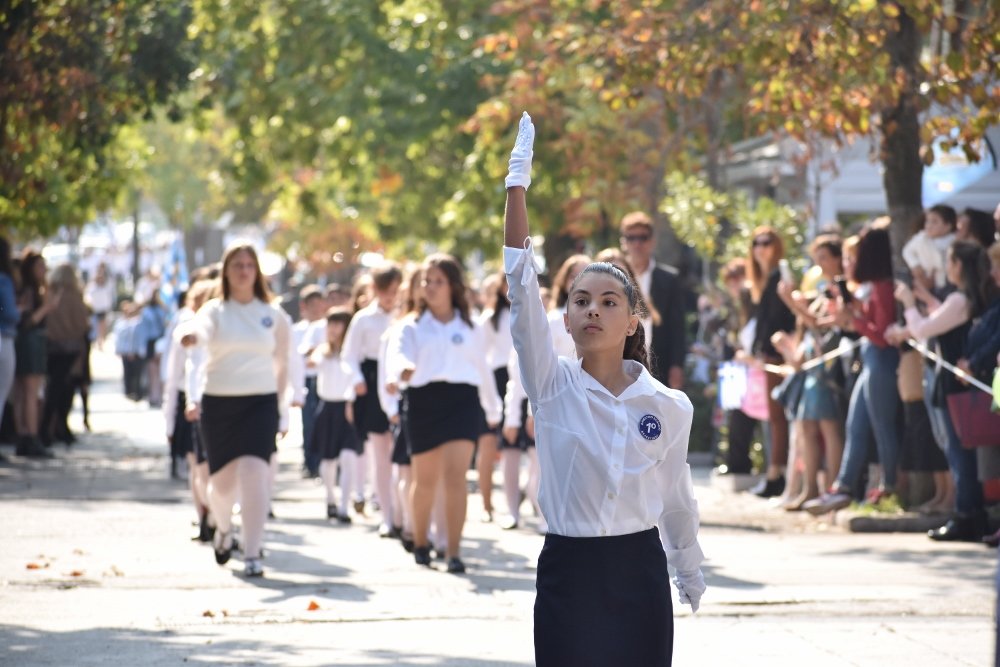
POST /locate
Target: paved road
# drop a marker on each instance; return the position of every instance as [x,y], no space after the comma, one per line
[117,580]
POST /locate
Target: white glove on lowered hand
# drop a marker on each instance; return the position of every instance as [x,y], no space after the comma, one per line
[690,587]
[519,167]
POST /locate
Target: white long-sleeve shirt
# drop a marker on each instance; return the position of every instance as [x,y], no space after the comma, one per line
[335,381]
[388,371]
[173,375]
[610,465]
[361,341]
[952,312]
[450,352]
[498,341]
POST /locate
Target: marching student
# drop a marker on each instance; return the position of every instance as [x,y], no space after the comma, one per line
[334,439]
[361,351]
[247,344]
[495,323]
[442,356]
[612,444]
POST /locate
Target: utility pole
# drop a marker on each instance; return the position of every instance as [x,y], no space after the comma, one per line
[136,271]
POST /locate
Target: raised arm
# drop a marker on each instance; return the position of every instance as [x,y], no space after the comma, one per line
[529,326]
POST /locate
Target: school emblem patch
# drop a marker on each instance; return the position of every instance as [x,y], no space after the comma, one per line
[649,427]
[267,322]
[457,339]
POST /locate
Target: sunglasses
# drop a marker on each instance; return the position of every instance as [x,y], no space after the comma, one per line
[763,241]
[637,238]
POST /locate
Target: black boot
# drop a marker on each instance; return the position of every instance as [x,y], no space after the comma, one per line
[961,528]
[31,446]
[771,488]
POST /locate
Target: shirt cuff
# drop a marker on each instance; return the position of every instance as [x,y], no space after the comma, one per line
[688,559]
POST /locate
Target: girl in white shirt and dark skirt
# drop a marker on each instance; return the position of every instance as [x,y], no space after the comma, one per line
[246,340]
[334,438]
[442,356]
[616,489]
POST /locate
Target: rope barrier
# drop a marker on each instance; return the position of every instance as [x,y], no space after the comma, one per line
[786,369]
[935,357]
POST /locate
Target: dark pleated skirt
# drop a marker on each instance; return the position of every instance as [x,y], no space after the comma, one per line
[234,426]
[400,447]
[183,440]
[603,601]
[500,377]
[332,433]
[523,441]
[368,414]
[440,412]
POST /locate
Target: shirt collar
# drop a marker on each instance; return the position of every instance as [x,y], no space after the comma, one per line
[642,386]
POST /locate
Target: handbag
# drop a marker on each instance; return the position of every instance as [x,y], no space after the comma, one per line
[754,404]
[974,421]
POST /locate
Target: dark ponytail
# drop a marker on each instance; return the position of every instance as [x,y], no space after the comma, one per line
[635,345]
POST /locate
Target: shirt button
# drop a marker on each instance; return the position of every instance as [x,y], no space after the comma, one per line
[603,532]
[611,496]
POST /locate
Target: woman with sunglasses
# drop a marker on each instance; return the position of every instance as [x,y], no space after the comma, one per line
[773,315]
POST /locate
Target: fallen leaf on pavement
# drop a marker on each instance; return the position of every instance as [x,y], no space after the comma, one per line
[208,613]
[313,606]
[225,612]
[76,573]
[36,566]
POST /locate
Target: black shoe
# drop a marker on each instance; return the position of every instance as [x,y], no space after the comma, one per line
[959,529]
[344,519]
[223,546]
[408,545]
[32,447]
[331,511]
[422,556]
[206,531]
[439,553]
[771,488]
[456,566]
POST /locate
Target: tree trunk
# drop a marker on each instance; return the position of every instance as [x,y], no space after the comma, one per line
[904,169]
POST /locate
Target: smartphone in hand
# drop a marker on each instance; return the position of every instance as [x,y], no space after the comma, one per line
[845,293]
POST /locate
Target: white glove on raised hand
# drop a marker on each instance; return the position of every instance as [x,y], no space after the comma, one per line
[690,587]
[519,167]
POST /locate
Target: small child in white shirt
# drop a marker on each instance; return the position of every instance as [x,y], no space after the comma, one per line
[925,252]
[334,439]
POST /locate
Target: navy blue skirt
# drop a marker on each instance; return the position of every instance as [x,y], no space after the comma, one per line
[440,412]
[603,601]
[235,426]
[368,414]
[332,433]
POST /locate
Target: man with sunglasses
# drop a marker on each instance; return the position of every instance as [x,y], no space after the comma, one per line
[661,285]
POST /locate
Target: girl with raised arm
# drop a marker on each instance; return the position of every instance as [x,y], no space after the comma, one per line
[612,444]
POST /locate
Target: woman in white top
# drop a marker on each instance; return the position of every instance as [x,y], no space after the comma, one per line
[495,323]
[442,356]
[612,444]
[247,341]
[334,439]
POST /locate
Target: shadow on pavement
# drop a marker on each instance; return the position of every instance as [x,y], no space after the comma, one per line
[103,646]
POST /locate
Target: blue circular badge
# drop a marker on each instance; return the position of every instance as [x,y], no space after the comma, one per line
[457,339]
[649,427]
[267,322]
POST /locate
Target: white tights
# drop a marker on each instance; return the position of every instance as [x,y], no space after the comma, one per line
[512,482]
[246,479]
[328,473]
[380,449]
[404,515]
